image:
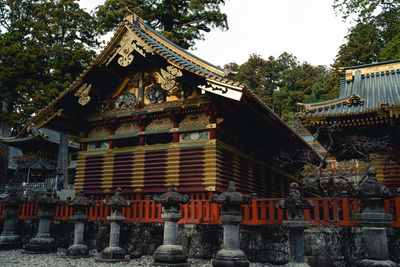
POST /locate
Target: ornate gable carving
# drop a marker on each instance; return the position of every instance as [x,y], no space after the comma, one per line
[130,42]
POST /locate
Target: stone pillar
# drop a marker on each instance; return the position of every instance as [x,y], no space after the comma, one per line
[8,238]
[79,205]
[230,255]
[373,221]
[295,204]
[43,242]
[113,253]
[170,253]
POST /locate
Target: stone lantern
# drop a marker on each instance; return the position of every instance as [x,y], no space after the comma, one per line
[170,253]
[79,205]
[295,204]
[230,254]
[113,252]
[43,242]
[373,221]
[8,238]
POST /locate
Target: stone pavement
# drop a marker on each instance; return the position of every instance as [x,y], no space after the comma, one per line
[17,258]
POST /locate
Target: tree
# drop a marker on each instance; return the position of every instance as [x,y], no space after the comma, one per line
[375,36]
[264,76]
[301,83]
[44,45]
[377,32]
[181,21]
[361,147]
[282,82]
[367,9]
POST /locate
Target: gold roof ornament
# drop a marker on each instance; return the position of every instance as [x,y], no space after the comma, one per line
[355,100]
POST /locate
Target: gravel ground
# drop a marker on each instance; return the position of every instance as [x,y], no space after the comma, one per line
[18,258]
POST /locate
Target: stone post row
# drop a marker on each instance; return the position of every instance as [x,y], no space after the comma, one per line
[373,221]
[230,255]
[295,204]
[79,205]
[114,252]
[170,253]
[8,238]
[43,242]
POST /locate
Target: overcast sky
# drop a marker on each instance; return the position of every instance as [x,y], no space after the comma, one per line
[309,29]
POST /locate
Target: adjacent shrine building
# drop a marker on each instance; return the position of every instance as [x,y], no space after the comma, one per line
[149,114]
[368,105]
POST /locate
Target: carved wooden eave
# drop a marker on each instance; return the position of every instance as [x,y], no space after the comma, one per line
[133,39]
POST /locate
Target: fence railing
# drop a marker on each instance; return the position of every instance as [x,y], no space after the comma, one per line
[327,211]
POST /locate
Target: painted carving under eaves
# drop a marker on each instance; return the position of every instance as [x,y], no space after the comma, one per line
[125,101]
[155,94]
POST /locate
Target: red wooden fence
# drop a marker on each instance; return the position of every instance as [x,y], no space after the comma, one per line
[327,211]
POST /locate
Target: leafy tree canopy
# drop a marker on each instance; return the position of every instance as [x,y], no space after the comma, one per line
[282,82]
[181,21]
[366,9]
[375,36]
[44,45]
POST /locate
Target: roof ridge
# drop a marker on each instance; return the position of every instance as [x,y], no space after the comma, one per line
[372,64]
[135,20]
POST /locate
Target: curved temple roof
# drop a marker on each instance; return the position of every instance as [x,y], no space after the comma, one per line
[148,42]
[366,89]
[216,77]
[30,138]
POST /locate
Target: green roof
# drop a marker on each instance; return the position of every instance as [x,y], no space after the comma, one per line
[365,93]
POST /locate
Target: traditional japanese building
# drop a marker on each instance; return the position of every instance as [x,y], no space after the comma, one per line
[150,114]
[368,105]
[34,154]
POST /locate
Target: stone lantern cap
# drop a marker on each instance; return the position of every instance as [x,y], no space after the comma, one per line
[12,199]
[295,200]
[171,198]
[372,189]
[47,200]
[230,197]
[117,201]
[80,200]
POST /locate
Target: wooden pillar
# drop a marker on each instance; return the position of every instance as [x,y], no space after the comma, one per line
[176,116]
[62,160]
[141,87]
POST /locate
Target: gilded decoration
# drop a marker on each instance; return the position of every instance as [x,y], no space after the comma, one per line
[355,100]
[168,77]
[98,132]
[216,87]
[127,128]
[194,136]
[160,124]
[182,93]
[130,42]
[83,94]
[194,120]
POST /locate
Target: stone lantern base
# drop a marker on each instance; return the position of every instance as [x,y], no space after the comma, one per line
[169,255]
[113,254]
[296,264]
[10,241]
[78,250]
[41,245]
[230,258]
[376,263]
[159,264]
